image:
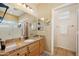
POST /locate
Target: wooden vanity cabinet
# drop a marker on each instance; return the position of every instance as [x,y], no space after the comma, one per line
[34,49]
[23,51]
[41,47]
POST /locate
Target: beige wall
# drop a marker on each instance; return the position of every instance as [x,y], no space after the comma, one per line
[47,33]
[45,10]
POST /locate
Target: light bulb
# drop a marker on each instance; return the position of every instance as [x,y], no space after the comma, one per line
[42,18]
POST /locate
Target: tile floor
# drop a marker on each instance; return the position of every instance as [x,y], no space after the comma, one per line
[62,52]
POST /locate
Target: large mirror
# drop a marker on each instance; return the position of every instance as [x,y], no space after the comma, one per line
[4,11]
[17,23]
[9,26]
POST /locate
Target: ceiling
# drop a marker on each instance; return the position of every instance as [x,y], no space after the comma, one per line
[40,9]
[44,9]
[12,11]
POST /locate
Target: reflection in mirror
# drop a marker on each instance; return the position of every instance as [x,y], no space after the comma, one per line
[2,6]
[16,24]
[9,26]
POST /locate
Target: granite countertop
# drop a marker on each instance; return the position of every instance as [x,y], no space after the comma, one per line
[19,45]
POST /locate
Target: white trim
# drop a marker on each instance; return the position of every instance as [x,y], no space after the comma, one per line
[63,5]
[52,34]
[77,54]
[53,27]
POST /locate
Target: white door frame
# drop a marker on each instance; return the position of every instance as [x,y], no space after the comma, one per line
[53,27]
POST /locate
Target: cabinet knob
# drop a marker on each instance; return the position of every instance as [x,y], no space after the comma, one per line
[25,54]
[18,54]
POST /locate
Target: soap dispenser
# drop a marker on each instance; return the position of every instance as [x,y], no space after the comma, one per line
[2,44]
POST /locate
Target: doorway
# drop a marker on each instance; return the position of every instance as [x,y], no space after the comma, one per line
[65,30]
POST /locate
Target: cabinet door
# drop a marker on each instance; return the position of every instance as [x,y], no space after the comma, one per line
[23,51]
[34,49]
[34,52]
[13,53]
[41,42]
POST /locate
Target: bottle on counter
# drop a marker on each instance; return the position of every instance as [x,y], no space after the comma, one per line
[2,45]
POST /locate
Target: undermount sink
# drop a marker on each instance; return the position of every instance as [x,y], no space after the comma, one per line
[11,46]
[29,40]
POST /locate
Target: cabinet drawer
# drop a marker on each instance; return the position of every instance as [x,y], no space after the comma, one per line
[33,46]
[34,52]
[14,53]
[23,51]
[23,54]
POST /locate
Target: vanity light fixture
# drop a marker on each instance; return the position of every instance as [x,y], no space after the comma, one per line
[42,19]
[27,7]
[31,10]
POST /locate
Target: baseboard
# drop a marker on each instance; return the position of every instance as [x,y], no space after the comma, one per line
[66,50]
[50,54]
[47,53]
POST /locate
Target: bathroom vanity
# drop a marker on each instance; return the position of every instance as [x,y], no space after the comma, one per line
[29,47]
